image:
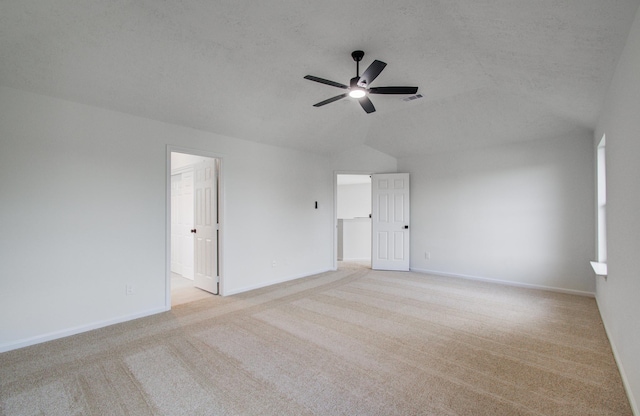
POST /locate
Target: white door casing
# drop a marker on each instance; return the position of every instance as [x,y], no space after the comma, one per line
[390,221]
[205,229]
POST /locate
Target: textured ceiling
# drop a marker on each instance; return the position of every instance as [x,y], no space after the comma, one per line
[490,71]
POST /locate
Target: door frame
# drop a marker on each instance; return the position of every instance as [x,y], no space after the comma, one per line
[221,217]
[335,208]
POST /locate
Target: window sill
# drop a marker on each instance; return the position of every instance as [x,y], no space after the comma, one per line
[599,268]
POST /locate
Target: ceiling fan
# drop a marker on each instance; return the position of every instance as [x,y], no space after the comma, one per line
[359,85]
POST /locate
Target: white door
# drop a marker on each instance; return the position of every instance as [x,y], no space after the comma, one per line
[185,221]
[176,265]
[390,221]
[181,224]
[206,226]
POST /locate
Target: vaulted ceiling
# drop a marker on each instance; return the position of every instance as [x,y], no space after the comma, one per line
[490,71]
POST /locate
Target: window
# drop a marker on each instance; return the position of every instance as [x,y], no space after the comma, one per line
[600,265]
[602,202]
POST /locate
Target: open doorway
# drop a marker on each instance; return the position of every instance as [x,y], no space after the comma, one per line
[194,227]
[353,221]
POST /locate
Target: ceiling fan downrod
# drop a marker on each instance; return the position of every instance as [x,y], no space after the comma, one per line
[357,56]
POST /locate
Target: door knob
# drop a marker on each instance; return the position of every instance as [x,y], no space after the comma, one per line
[406,227]
[193,230]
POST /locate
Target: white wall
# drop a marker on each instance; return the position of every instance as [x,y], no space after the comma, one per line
[83,210]
[363,159]
[354,200]
[618,295]
[521,213]
[354,239]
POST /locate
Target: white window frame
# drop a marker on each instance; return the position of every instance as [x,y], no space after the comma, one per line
[600,265]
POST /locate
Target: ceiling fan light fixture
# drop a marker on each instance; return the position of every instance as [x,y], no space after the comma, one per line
[357,93]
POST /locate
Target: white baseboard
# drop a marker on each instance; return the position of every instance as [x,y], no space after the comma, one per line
[76,330]
[273,282]
[623,374]
[507,282]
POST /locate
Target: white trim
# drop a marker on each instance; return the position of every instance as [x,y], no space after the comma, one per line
[625,381]
[77,330]
[507,282]
[275,282]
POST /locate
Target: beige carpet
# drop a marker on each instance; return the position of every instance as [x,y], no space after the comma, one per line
[352,342]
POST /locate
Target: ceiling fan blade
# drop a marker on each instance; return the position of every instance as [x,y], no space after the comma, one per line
[325,81]
[371,73]
[393,90]
[367,105]
[330,100]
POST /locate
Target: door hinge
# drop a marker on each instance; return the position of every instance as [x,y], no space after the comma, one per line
[217,279]
[217,226]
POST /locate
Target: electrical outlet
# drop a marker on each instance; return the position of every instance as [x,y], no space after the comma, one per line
[274,263]
[130,290]
[427,255]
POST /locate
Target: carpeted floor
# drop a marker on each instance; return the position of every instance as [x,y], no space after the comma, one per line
[351,342]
